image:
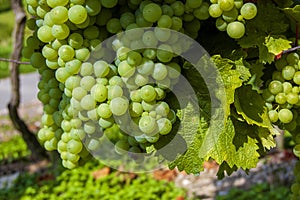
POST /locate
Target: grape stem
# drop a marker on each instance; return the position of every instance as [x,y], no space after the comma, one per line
[14,61]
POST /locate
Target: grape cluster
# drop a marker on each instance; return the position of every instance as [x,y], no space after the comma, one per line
[231,15]
[282,93]
[123,97]
[282,98]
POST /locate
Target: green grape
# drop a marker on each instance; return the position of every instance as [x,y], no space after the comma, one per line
[160,71]
[42,10]
[87,82]
[275,87]
[141,21]
[149,54]
[122,53]
[162,109]
[280,64]
[278,76]
[122,147]
[178,8]
[285,116]
[162,34]
[88,102]
[193,3]
[59,15]
[101,69]
[248,11]
[164,126]
[113,25]
[238,3]
[152,138]
[62,75]
[235,29]
[119,106]
[74,146]
[56,44]
[73,66]
[292,59]
[135,95]
[226,5]
[75,40]
[106,122]
[296,90]
[202,12]
[55,3]
[152,12]
[61,31]
[148,106]
[176,23]
[77,14]
[135,109]
[164,53]
[114,92]
[45,34]
[116,80]
[126,19]
[103,17]
[109,3]
[167,10]
[49,53]
[149,39]
[288,72]
[148,93]
[174,70]
[287,87]
[91,32]
[52,64]
[147,124]
[89,127]
[296,78]
[134,58]
[221,24]
[99,92]
[292,98]
[165,21]
[281,98]
[141,80]
[66,52]
[125,70]
[104,111]
[86,69]
[231,15]
[215,10]
[92,7]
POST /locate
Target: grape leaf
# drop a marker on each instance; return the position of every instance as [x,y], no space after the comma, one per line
[256,70]
[269,22]
[293,13]
[251,106]
[276,46]
[284,3]
[240,153]
[190,161]
[266,139]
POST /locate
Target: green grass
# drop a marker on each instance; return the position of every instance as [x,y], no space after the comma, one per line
[6,28]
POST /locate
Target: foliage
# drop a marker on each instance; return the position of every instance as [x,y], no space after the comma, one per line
[80,184]
[257,192]
[14,149]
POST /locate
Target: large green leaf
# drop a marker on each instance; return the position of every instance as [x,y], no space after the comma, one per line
[293,13]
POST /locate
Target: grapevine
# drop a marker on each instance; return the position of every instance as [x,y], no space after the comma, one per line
[111,69]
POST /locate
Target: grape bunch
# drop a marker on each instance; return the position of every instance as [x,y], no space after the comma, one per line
[282,93]
[282,98]
[231,15]
[104,74]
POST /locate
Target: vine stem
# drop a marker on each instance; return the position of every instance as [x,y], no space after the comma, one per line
[14,61]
